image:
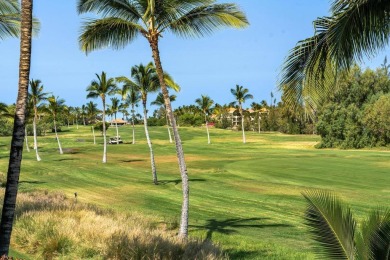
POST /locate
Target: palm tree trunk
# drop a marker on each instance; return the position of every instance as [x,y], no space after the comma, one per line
[132,119]
[183,232]
[58,139]
[15,158]
[117,131]
[104,132]
[93,133]
[154,173]
[207,129]
[242,125]
[259,124]
[26,140]
[35,139]
[169,131]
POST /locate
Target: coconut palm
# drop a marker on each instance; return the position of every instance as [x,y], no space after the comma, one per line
[131,96]
[37,96]
[333,227]
[354,29]
[91,111]
[9,19]
[160,102]
[145,81]
[102,87]
[205,103]
[54,107]
[124,20]
[83,113]
[241,95]
[15,158]
[115,106]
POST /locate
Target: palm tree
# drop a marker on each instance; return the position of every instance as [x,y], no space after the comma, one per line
[115,105]
[145,80]
[160,102]
[54,107]
[15,158]
[332,225]
[205,103]
[353,30]
[102,87]
[124,20]
[83,113]
[9,19]
[131,96]
[91,111]
[241,95]
[36,95]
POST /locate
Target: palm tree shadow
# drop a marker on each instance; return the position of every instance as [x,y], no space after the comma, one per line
[32,182]
[130,161]
[229,226]
[178,181]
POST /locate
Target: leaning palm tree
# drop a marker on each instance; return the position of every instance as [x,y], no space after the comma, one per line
[145,80]
[160,102]
[102,87]
[131,96]
[204,104]
[37,96]
[241,95]
[354,29]
[15,158]
[55,107]
[115,105]
[333,227]
[124,20]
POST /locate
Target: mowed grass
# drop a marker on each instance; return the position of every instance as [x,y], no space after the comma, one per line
[246,197]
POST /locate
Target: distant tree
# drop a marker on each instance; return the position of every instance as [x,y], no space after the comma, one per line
[55,107]
[145,80]
[205,103]
[115,106]
[334,229]
[91,111]
[132,96]
[160,102]
[241,95]
[122,22]
[102,87]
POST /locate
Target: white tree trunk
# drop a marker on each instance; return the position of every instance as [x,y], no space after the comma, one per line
[58,139]
[94,137]
[154,173]
[242,125]
[35,140]
[117,131]
[132,120]
[207,129]
[169,131]
[104,133]
[26,140]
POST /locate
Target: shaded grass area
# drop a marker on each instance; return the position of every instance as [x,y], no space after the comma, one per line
[244,196]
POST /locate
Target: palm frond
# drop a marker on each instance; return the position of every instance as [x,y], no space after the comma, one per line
[107,32]
[204,20]
[331,224]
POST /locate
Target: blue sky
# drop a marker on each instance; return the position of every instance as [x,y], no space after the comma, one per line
[212,65]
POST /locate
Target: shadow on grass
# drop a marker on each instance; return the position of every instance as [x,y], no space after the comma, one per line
[66,159]
[228,226]
[130,161]
[32,182]
[178,181]
[234,254]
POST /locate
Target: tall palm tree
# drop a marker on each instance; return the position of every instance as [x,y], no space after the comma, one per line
[123,20]
[205,103]
[37,96]
[353,30]
[102,87]
[83,113]
[333,227]
[55,107]
[115,105]
[15,158]
[131,96]
[160,102]
[145,80]
[91,111]
[241,95]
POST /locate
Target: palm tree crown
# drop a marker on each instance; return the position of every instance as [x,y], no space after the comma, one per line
[205,103]
[9,19]
[240,94]
[101,87]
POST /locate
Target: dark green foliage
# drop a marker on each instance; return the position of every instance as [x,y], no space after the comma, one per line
[188,119]
[153,121]
[99,126]
[357,114]
[6,127]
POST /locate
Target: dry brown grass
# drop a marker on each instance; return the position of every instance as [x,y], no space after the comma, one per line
[50,226]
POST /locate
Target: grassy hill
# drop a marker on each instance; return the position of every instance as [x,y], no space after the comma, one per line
[246,197]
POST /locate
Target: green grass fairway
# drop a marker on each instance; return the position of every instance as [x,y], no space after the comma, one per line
[244,196]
